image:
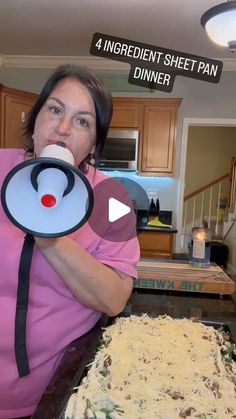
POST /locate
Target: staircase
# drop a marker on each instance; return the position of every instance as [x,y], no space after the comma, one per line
[213,206]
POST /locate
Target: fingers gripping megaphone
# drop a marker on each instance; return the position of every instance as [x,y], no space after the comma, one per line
[47,196]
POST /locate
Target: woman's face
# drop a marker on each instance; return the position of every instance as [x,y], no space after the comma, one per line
[68,115]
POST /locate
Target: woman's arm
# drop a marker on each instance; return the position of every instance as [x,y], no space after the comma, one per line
[93,283]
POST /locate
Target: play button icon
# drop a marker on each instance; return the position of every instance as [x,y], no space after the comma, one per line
[116,210]
[113,217]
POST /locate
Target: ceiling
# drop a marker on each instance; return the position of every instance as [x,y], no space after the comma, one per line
[65,27]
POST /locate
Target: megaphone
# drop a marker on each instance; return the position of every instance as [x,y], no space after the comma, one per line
[48,196]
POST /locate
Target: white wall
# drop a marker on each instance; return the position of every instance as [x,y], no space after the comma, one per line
[209,153]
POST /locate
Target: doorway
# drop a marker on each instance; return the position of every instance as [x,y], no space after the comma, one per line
[187,123]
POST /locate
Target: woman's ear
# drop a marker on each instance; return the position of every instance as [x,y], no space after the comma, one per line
[34,139]
[93,149]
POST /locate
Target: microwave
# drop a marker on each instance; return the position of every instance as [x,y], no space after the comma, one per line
[120,150]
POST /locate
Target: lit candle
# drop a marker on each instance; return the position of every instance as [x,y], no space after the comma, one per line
[200,247]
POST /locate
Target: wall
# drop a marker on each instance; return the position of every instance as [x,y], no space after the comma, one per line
[209,154]
[200,100]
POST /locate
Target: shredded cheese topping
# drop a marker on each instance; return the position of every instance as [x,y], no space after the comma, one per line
[157,368]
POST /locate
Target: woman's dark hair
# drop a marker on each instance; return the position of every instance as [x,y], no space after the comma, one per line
[101,97]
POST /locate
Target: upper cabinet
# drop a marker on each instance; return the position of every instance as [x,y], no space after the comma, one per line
[14,106]
[158,137]
[156,119]
[127,113]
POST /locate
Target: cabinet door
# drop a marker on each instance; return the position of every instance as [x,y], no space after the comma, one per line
[126,114]
[14,108]
[156,244]
[158,140]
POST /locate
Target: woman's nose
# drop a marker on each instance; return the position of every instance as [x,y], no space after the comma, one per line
[64,126]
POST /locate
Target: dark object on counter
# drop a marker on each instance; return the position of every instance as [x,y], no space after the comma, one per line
[142,217]
[165,217]
[154,208]
[157,207]
[219,253]
[152,211]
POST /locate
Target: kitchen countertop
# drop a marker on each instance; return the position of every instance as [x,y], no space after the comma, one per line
[157,229]
[183,304]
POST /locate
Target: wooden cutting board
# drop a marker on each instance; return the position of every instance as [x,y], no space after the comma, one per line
[180,276]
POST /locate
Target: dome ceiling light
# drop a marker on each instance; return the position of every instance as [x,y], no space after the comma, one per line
[220,24]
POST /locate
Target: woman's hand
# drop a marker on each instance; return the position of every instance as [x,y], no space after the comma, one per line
[93,283]
[44,242]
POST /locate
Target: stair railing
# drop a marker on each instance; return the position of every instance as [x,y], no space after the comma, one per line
[198,205]
[232,194]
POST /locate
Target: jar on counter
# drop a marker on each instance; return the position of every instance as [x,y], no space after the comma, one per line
[200,250]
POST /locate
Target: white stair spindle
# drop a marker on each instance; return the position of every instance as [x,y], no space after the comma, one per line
[218,207]
[185,216]
[210,206]
[194,206]
[202,204]
[233,189]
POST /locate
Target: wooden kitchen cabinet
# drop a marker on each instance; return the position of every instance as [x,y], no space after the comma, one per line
[14,105]
[127,113]
[156,244]
[158,137]
[156,120]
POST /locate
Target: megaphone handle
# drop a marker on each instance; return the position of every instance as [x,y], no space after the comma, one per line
[22,306]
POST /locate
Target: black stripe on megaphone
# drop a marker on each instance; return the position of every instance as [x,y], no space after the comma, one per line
[42,166]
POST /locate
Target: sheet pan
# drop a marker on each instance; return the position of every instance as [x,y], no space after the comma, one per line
[78,355]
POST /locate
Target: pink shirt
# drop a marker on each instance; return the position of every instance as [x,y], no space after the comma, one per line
[55,317]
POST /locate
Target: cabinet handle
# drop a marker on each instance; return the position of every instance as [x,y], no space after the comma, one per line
[22,116]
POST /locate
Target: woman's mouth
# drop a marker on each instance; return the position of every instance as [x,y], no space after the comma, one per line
[60,143]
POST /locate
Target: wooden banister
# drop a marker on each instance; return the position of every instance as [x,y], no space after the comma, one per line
[232,193]
[214,182]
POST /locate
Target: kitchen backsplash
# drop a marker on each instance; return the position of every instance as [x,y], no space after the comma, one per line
[155,187]
[142,217]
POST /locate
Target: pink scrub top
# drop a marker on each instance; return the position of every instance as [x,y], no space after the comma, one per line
[55,317]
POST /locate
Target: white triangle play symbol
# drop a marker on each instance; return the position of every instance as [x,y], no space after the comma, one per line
[116,210]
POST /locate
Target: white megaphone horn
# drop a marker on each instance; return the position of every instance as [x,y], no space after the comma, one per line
[53,181]
[48,196]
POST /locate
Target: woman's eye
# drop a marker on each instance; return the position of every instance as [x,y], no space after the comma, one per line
[82,122]
[55,110]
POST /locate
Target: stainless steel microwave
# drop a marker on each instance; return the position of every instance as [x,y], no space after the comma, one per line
[120,150]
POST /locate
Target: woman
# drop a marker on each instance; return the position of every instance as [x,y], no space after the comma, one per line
[73,278]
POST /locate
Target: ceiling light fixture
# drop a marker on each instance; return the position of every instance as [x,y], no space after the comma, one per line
[220,24]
